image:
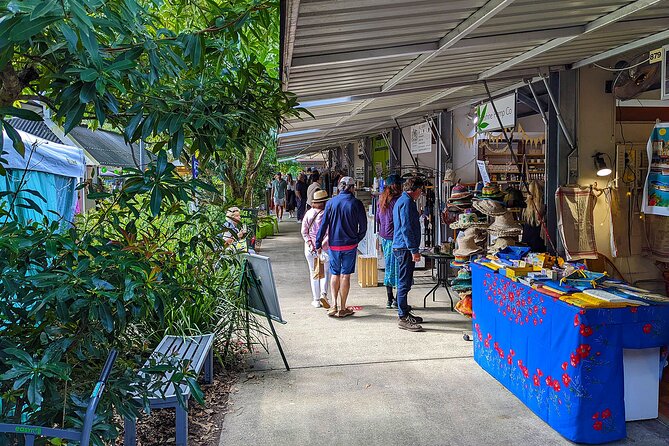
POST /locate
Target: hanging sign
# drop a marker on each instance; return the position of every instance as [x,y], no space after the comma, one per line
[484,172]
[506,107]
[656,189]
[421,138]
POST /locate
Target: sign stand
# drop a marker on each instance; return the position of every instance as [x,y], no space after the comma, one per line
[250,280]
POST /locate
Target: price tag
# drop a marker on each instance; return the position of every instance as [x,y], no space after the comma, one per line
[655,56]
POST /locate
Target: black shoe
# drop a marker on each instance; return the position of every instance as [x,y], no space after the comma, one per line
[389,304]
[414,319]
[407,324]
[394,304]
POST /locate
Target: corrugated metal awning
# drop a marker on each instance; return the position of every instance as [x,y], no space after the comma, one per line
[358,65]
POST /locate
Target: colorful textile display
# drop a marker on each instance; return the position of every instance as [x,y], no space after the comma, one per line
[575,206]
[564,362]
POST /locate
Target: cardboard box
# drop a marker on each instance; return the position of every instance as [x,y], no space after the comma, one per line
[368,275]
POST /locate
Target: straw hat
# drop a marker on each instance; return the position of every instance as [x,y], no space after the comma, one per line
[505,225]
[501,243]
[489,207]
[320,196]
[479,234]
[466,247]
[468,220]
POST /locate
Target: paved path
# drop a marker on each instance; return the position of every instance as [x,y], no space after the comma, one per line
[362,381]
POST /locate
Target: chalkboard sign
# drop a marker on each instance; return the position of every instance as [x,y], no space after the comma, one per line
[249,221]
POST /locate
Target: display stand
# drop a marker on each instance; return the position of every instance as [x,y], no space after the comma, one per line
[249,281]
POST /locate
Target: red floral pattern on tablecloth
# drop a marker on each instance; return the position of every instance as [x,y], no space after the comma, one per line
[517,308]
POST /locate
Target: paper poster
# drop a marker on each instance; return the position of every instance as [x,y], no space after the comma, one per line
[656,189]
[484,172]
[421,138]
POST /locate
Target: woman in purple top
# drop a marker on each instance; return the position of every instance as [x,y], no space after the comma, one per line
[384,218]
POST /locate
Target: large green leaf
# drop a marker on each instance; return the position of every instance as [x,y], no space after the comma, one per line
[15,137]
[20,113]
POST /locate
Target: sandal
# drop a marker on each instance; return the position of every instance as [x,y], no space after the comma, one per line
[346,312]
[334,312]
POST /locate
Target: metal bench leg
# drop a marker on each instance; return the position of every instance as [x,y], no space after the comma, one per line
[209,367]
[130,432]
[182,425]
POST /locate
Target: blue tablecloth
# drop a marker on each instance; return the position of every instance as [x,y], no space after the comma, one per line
[563,362]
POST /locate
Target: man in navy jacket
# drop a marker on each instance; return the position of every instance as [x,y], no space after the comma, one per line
[406,241]
[345,223]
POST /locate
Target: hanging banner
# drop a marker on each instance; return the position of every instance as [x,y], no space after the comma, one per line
[421,138]
[506,107]
[656,189]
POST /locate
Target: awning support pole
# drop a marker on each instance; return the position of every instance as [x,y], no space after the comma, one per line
[563,127]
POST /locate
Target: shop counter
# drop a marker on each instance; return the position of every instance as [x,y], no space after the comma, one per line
[565,363]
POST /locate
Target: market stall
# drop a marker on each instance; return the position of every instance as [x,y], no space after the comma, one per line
[569,360]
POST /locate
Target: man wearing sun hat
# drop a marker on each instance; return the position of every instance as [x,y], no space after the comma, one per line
[345,223]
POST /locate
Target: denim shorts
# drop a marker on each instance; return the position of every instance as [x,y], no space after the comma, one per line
[342,262]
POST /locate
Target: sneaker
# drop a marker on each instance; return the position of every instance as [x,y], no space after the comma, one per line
[394,304]
[406,324]
[315,304]
[415,319]
[324,301]
[389,305]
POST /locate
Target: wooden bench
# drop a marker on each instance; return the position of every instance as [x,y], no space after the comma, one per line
[198,352]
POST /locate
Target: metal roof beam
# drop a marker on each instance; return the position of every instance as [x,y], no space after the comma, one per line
[482,15]
[590,27]
[363,55]
[622,49]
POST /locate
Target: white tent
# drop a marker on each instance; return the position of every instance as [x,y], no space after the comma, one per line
[44,156]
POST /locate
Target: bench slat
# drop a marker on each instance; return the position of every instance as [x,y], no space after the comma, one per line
[193,348]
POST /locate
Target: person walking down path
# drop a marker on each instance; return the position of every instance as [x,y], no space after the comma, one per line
[301,196]
[290,195]
[279,187]
[406,242]
[311,223]
[345,224]
[384,218]
[313,187]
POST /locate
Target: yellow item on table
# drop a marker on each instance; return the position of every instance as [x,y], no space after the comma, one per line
[583,300]
[513,272]
[554,290]
[490,265]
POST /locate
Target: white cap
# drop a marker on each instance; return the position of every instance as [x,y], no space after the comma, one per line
[347,181]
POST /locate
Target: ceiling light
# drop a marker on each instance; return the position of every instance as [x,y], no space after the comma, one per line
[603,170]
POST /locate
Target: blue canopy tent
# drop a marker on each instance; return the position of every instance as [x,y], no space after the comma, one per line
[53,170]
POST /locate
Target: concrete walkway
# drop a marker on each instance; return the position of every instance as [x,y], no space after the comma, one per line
[362,381]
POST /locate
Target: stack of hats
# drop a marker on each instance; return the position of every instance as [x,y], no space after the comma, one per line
[506,229]
[460,198]
[463,281]
[490,208]
[466,244]
[468,219]
[491,191]
[505,226]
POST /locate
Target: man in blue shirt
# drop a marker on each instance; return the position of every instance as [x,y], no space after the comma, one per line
[345,223]
[406,241]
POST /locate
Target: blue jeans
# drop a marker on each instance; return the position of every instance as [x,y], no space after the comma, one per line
[405,268]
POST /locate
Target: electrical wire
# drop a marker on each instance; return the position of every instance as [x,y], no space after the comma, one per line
[621,69]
